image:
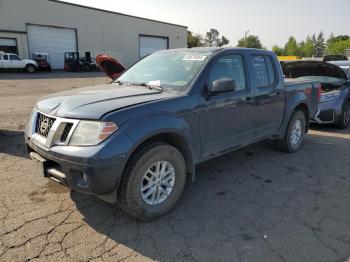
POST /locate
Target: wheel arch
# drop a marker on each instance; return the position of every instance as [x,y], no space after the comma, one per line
[301,105]
[30,64]
[305,109]
[169,137]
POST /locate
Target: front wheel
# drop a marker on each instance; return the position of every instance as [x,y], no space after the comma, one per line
[30,68]
[153,182]
[345,117]
[294,136]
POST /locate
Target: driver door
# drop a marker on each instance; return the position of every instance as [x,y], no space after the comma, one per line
[226,119]
[16,62]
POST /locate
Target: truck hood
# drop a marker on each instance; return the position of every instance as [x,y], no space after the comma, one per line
[95,101]
[28,61]
[297,69]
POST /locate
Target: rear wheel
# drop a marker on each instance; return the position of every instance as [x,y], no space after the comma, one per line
[153,182]
[294,136]
[345,117]
[30,68]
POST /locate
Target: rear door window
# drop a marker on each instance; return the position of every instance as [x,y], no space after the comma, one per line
[271,70]
[260,71]
[263,71]
[6,57]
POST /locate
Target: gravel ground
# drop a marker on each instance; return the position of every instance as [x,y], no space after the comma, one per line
[255,204]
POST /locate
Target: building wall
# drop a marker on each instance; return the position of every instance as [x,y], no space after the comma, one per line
[97,31]
[21,39]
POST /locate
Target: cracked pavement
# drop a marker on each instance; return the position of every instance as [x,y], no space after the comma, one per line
[255,204]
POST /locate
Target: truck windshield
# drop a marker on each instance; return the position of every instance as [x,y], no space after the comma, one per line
[172,70]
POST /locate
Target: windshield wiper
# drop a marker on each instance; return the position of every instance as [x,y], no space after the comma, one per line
[118,82]
[159,88]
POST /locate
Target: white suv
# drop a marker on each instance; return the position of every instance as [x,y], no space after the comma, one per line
[13,61]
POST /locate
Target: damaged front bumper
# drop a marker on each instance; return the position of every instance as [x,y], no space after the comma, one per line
[330,112]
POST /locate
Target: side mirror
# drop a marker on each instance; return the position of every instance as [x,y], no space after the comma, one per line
[223,85]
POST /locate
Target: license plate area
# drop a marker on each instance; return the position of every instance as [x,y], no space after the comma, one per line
[40,163]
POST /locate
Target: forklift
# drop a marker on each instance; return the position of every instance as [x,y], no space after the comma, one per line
[71,62]
[74,63]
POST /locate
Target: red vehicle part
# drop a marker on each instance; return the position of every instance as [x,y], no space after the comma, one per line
[110,66]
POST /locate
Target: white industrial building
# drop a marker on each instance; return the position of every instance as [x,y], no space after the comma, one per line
[55,27]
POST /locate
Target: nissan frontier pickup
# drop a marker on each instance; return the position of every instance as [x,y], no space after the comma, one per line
[135,141]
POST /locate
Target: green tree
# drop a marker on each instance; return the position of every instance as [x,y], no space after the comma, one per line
[251,41]
[338,47]
[332,38]
[194,40]
[278,50]
[306,48]
[291,47]
[213,39]
[320,45]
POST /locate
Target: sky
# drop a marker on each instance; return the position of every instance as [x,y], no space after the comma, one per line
[272,20]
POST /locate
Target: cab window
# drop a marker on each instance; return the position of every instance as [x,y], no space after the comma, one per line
[263,71]
[6,57]
[14,57]
[229,67]
[260,71]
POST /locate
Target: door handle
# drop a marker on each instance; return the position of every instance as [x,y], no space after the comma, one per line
[275,94]
[247,99]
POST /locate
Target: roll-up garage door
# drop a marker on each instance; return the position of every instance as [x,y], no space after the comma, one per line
[150,44]
[53,40]
[8,45]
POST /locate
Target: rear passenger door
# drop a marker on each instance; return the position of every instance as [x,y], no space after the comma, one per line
[269,95]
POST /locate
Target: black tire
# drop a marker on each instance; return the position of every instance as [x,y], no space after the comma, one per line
[344,118]
[129,195]
[286,143]
[30,68]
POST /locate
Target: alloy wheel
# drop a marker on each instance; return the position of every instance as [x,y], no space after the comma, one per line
[295,133]
[157,183]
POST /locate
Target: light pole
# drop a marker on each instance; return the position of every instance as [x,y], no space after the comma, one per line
[245,38]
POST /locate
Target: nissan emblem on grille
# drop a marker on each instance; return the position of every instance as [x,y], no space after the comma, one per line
[43,125]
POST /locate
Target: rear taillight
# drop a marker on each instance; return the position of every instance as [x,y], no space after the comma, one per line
[319,92]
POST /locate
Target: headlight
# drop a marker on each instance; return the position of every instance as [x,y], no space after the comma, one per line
[91,133]
[329,96]
[30,125]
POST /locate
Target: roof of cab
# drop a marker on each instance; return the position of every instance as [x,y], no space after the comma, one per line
[218,49]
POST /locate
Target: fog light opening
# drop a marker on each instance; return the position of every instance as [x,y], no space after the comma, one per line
[81,179]
[85,179]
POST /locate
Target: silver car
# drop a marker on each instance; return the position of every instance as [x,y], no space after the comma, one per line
[345,65]
[334,106]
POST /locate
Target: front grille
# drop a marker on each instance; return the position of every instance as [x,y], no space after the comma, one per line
[44,124]
[66,131]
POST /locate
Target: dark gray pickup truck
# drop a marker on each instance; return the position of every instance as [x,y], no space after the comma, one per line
[135,141]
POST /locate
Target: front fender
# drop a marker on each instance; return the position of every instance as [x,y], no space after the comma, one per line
[148,127]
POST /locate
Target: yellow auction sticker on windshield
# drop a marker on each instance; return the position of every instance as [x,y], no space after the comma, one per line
[194,58]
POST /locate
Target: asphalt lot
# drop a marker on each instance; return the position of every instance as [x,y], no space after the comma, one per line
[255,204]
